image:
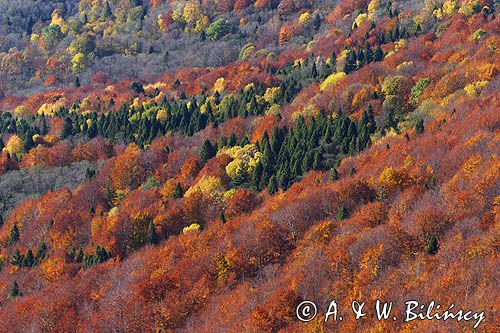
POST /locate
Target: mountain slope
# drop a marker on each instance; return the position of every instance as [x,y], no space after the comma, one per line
[350,155]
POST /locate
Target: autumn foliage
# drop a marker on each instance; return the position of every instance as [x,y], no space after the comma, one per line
[187,218]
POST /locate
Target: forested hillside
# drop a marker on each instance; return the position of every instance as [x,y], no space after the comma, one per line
[206,166]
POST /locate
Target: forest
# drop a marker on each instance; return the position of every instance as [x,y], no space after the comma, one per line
[207,166]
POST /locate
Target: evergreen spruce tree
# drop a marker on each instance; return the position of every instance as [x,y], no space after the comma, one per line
[67,128]
[221,143]
[366,127]
[109,194]
[390,121]
[316,22]
[314,70]
[360,56]
[419,127]
[316,161]
[178,192]
[268,159]
[222,217]
[207,151]
[378,54]
[353,146]
[79,255]
[342,213]
[29,259]
[256,180]
[29,25]
[137,87]
[14,291]
[432,245]
[272,186]
[28,140]
[106,13]
[241,177]
[232,140]
[40,253]
[16,258]
[284,179]
[14,234]
[43,130]
[334,175]
[418,30]
[307,162]
[333,62]
[368,54]
[152,236]
[350,62]
[245,141]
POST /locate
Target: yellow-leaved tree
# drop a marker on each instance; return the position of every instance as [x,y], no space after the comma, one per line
[220,85]
[332,80]
[15,146]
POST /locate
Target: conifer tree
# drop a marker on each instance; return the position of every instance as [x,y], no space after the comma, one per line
[14,291]
[368,54]
[43,130]
[272,186]
[334,175]
[241,177]
[432,246]
[40,253]
[16,259]
[152,236]
[79,255]
[256,181]
[222,217]
[284,177]
[316,22]
[178,192]
[314,70]
[207,151]
[268,159]
[29,259]
[390,121]
[316,161]
[366,127]
[67,128]
[109,194]
[232,140]
[350,62]
[342,213]
[419,127]
[333,61]
[418,30]
[14,234]
[360,56]
[378,54]
[106,10]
